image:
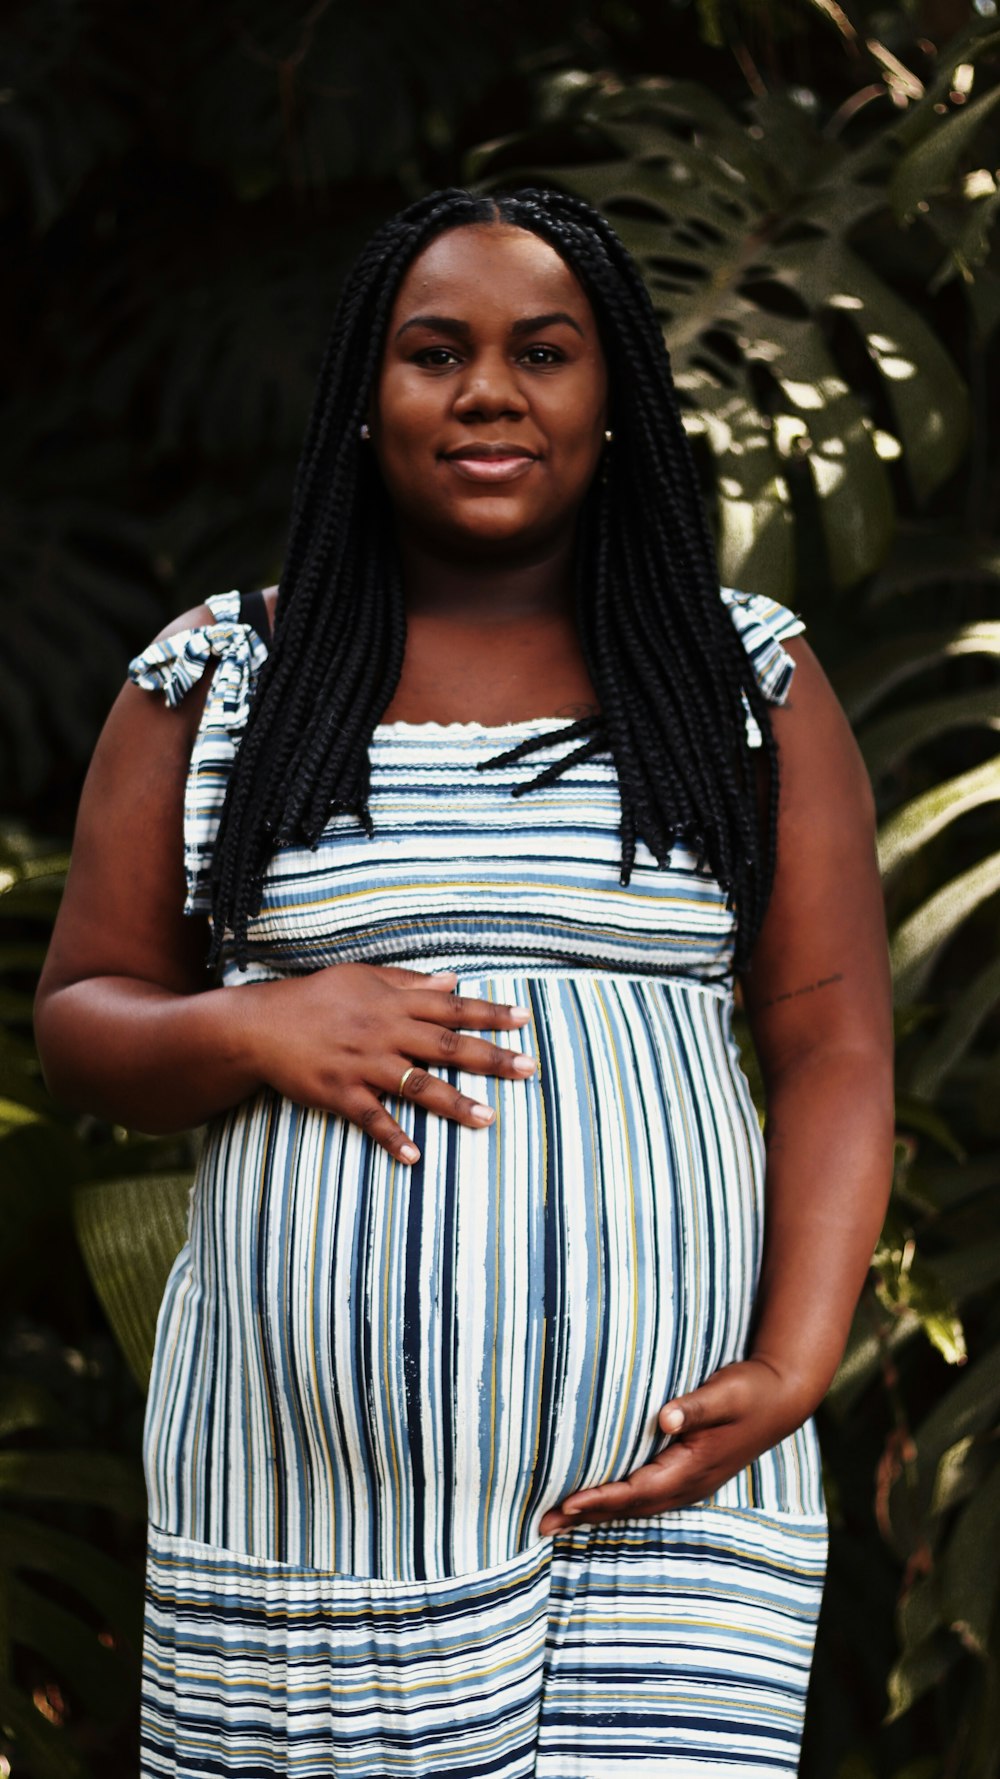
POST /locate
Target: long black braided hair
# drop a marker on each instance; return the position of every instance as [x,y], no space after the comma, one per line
[661,649]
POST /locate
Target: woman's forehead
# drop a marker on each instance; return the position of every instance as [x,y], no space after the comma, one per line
[497,261]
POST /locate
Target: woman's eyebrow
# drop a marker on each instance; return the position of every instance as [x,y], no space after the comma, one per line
[448,324]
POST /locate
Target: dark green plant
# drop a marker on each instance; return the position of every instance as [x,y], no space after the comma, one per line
[796,268]
[187,252]
[777,248]
[72,1499]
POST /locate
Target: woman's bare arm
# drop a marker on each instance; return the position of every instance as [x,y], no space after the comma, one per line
[819,1002]
[818,998]
[127,1023]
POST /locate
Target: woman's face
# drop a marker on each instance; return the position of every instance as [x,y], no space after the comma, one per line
[489,413]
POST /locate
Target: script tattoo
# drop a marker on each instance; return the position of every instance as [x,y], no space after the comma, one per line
[808,988]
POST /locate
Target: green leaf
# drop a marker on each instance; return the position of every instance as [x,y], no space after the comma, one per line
[114,1592]
[130,1234]
[915,1115]
[906,1284]
[970,1269]
[758,320]
[920,820]
[875,1338]
[961,1469]
[97,1478]
[917,1670]
[920,938]
[969,1407]
[970,1574]
[885,744]
[932,555]
[867,681]
[931,163]
[955,1034]
[25,1404]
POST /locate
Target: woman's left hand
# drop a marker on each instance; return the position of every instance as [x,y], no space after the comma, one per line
[717,1430]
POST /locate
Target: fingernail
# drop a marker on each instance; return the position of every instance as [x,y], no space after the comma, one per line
[523,1065]
[482,1114]
[409,1152]
[673,1420]
[521,1013]
[444,976]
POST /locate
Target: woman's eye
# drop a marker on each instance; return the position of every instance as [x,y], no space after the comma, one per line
[438,357]
[424,356]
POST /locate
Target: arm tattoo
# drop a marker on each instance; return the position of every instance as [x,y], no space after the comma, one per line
[808,988]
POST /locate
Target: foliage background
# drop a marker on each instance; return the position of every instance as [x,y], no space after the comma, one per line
[811,190]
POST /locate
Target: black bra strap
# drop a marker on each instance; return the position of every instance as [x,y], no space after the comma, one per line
[253,611]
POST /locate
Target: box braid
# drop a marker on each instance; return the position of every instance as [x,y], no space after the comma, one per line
[674,680]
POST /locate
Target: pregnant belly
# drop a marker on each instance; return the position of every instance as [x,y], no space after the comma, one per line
[394,1371]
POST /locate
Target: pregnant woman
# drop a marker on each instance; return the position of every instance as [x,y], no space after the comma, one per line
[479,1437]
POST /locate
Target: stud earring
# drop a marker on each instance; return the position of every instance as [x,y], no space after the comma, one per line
[365,434]
[609,435]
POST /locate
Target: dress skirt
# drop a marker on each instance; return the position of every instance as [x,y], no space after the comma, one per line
[371,1382]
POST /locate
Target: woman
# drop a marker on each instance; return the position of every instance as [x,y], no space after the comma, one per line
[479,1434]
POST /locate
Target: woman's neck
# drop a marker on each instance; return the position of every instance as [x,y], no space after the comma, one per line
[487,589]
[490,642]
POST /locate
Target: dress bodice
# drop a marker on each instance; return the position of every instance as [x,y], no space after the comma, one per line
[459,874]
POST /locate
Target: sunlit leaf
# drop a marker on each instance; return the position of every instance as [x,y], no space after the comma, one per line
[919,940]
[918,1669]
[917,822]
[962,1469]
[130,1232]
[931,163]
[757,317]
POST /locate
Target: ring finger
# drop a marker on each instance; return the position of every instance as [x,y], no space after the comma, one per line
[415,1082]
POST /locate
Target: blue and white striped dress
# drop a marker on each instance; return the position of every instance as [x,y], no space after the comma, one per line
[371,1381]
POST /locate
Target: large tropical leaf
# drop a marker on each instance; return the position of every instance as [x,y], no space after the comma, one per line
[130,1232]
[794,355]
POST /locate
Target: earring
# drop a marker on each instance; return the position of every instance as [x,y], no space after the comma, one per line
[609,435]
[365,434]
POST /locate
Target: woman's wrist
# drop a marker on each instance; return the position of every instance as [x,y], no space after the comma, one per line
[235,1025]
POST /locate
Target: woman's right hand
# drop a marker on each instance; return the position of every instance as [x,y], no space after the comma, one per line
[341,1038]
[128,1027]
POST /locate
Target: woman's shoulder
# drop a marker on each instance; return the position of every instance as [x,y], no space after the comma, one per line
[216,643]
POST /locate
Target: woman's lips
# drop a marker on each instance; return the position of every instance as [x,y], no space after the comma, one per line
[491,469]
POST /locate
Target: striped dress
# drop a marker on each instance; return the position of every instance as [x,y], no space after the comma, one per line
[371,1381]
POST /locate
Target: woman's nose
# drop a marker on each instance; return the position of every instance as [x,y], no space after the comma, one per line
[490,386]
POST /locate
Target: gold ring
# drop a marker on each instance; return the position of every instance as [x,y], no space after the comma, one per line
[405,1077]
